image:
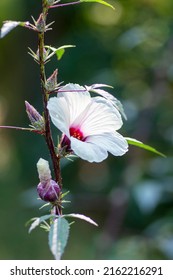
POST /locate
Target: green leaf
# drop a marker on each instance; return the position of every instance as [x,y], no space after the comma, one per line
[38,221]
[10,25]
[99,1]
[139,144]
[59,51]
[82,217]
[58,236]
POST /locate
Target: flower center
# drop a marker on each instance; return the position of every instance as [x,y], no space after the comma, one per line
[76,133]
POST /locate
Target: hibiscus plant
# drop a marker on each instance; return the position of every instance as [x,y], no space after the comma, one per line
[88,118]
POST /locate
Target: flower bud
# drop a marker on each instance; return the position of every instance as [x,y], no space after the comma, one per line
[40,23]
[51,82]
[43,170]
[65,144]
[35,118]
[48,191]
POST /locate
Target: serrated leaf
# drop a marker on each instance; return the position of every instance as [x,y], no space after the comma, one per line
[99,1]
[139,144]
[38,221]
[82,217]
[10,25]
[58,236]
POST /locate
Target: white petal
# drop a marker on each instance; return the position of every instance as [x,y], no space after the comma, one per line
[98,117]
[76,97]
[114,143]
[115,102]
[69,103]
[88,151]
[59,113]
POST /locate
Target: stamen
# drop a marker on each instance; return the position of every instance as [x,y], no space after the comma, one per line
[76,133]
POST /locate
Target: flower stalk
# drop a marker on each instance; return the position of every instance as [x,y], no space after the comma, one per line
[18,128]
[45,96]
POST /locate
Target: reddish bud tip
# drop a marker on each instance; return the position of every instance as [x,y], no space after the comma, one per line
[35,118]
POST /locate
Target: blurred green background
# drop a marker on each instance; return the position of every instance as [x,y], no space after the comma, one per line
[130,197]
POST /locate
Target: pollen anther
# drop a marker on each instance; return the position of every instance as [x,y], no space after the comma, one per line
[76,133]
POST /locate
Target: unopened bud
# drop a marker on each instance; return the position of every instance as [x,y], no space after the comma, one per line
[48,191]
[65,144]
[44,172]
[51,82]
[35,118]
[40,23]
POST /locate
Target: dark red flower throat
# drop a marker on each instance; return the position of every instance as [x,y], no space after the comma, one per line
[74,132]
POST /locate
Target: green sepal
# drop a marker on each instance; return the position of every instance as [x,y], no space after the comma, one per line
[64,194]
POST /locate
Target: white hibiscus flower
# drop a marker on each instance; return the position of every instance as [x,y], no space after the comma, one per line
[88,123]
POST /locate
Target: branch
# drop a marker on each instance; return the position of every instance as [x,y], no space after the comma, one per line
[18,128]
[45,96]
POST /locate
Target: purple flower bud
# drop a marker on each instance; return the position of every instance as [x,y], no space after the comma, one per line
[35,118]
[65,144]
[48,191]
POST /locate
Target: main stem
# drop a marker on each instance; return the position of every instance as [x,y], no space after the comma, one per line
[45,96]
